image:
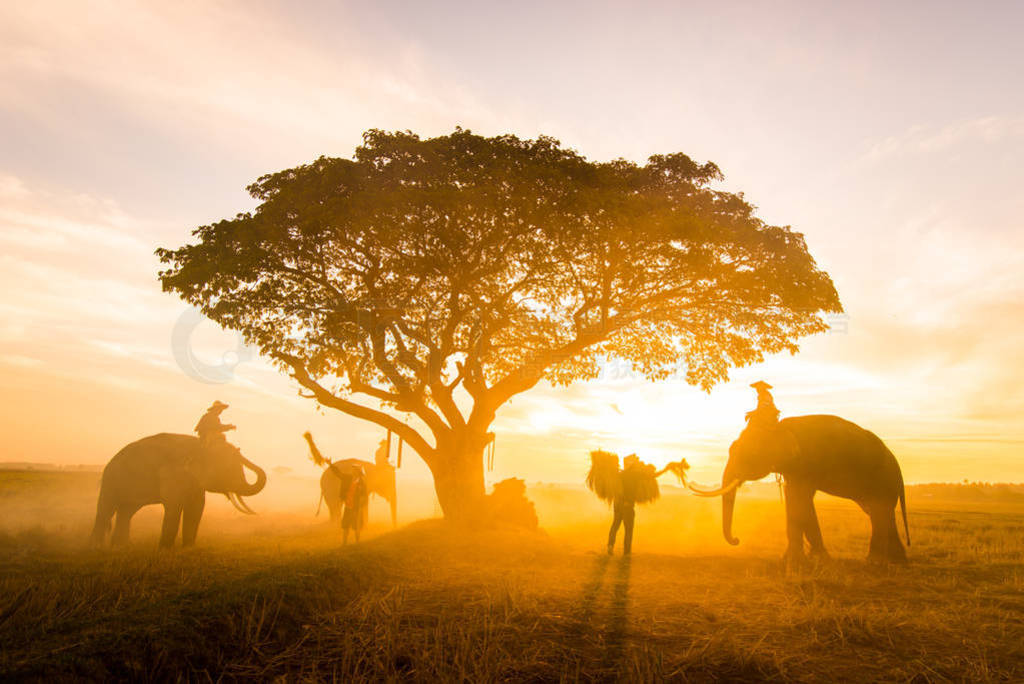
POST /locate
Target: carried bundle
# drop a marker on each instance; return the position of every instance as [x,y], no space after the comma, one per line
[640,481]
[679,468]
[603,478]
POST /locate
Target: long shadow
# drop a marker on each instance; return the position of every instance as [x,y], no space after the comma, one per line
[611,639]
[591,590]
[618,616]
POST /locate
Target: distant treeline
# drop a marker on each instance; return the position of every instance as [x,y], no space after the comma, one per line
[25,465]
[999,491]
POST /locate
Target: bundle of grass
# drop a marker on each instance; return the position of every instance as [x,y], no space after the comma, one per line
[604,478]
[639,480]
[679,468]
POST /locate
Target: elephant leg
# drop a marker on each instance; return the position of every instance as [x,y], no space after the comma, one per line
[881,521]
[192,514]
[394,510]
[122,524]
[334,507]
[798,502]
[172,521]
[812,530]
[892,550]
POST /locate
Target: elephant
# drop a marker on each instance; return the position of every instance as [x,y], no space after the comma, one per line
[812,453]
[176,471]
[380,480]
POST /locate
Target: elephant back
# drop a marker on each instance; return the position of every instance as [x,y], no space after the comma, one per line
[164,448]
[847,458]
[149,454]
[133,474]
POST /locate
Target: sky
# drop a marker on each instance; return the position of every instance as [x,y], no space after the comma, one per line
[888,133]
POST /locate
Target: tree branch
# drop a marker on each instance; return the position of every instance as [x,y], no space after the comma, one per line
[385,420]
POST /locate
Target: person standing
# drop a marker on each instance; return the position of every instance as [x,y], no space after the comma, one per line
[356,499]
[636,483]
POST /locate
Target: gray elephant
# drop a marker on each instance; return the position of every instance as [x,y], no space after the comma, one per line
[819,453]
[176,471]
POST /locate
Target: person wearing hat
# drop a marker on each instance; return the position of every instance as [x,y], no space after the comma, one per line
[766,410]
[210,429]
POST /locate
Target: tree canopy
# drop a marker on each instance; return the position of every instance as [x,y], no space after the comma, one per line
[422,268]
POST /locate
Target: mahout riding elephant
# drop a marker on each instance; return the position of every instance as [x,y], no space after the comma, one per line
[176,471]
[819,453]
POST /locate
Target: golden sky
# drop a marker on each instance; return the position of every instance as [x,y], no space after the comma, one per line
[890,136]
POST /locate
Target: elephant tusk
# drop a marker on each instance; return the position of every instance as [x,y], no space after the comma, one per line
[239,504]
[245,505]
[700,491]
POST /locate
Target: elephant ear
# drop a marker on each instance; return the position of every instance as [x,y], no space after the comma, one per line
[788,447]
[210,465]
[198,463]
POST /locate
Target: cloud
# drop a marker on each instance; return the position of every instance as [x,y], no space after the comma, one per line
[230,74]
[921,139]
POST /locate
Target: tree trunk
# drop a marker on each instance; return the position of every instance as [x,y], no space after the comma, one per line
[459,483]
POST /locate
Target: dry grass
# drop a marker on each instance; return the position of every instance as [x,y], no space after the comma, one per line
[278,598]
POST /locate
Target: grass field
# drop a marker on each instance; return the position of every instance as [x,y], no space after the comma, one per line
[276,596]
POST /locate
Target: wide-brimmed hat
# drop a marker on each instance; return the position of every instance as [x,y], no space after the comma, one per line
[217,405]
[760,384]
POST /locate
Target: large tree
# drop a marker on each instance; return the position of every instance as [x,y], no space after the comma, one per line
[438,278]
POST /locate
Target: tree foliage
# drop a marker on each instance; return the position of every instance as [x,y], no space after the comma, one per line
[423,267]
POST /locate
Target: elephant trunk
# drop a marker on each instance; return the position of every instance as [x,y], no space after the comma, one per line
[256,487]
[728,505]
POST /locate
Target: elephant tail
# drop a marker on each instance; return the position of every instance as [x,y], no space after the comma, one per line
[903,508]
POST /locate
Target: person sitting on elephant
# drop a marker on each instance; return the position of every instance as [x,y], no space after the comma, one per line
[380,456]
[766,411]
[210,429]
